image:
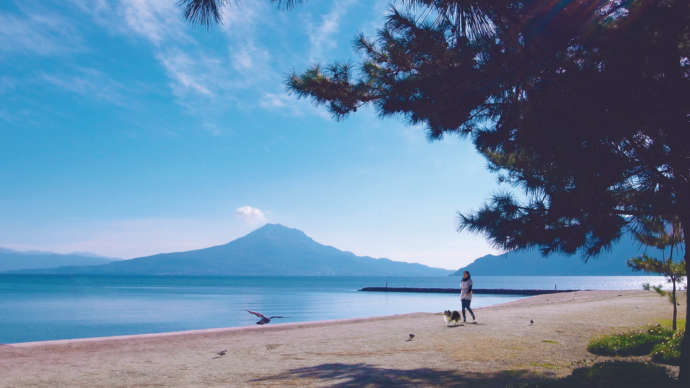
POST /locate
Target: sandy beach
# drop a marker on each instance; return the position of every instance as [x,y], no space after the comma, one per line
[503,347]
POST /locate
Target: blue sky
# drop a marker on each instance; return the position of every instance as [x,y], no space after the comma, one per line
[125,131]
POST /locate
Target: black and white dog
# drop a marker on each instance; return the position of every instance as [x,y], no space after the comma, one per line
[451,317]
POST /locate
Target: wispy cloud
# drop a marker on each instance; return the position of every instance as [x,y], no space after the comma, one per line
[291,104]
[38,33]
[157,20]
[321,36]
[90,83]
[187,74]
[207,82]
[276,100]
[203,80]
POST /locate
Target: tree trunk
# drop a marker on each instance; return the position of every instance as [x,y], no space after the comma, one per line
[675,307]
[685,345]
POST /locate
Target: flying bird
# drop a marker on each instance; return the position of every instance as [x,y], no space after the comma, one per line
[264,319]
[411,337]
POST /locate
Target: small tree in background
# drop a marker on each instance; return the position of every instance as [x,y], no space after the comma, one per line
[667,236]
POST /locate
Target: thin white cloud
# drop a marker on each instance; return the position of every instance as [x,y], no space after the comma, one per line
[38,33]
[157,20]
[251,214]
[321,36]
[88,82]
[206,82]
[202,80]
[154,20]
[186,73]
[276,100]
[291,105]
[250,60]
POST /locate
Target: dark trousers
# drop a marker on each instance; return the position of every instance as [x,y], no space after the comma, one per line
[466,305]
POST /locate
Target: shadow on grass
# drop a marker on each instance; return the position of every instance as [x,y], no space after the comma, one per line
[614,374]
[608,374]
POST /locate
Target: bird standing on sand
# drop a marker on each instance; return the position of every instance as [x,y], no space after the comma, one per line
[531,322]
[411,337]
[262,318]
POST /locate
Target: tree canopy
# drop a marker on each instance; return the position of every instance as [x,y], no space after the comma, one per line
[584,107]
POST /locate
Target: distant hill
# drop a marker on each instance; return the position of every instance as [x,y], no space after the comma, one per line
[11,260]
[531,262]
[272,250]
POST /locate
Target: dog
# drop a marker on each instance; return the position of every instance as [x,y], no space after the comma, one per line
[451,317]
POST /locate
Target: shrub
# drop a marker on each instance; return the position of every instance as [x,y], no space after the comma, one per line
[668,352]
[634,343]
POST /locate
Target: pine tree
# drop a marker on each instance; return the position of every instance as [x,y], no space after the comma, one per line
[666,236]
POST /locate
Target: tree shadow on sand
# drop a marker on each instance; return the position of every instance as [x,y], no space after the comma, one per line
[358,375]
[611,374]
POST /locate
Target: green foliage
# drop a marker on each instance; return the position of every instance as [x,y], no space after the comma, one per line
[665,234]
[635,343]
[658,289]
[671,269]
[659,232]
[668,352]
[662,342]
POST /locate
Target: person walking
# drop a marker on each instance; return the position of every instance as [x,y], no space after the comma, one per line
[466,295]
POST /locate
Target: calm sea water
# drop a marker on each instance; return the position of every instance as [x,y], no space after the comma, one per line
[44,307]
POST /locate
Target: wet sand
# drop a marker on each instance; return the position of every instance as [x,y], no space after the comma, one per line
[502,347]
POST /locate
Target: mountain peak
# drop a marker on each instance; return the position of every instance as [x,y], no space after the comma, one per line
[277,230]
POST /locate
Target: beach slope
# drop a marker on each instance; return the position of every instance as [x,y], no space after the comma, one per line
[502,347]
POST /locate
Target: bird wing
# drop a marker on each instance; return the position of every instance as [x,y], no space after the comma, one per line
[277,316]
[257,314]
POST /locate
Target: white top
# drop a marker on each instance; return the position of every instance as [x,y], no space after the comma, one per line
[466,286]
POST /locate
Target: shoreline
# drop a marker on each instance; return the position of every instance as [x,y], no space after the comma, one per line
[235,329]
[215,330]
[530,338]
